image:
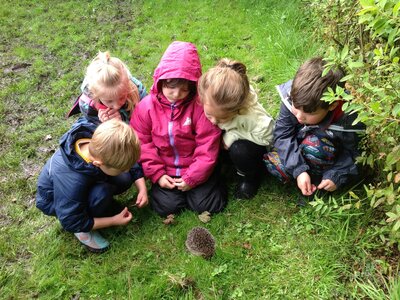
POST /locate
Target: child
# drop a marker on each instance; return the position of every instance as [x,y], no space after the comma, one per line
[316,142]
[108,91]
[78,182]
[231,103]
[179,145]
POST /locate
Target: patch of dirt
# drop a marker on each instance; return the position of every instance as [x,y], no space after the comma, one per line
[30,169]
[5,220]
[18,67]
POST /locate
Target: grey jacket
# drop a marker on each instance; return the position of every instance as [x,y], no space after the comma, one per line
[337,126]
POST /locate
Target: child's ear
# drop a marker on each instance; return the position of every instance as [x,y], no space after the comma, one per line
[333,105]
[97,163]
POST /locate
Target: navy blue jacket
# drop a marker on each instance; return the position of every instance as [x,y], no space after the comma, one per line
[65,181]
[289,134]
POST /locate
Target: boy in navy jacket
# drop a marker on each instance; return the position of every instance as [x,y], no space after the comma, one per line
[78,182]
[315,142]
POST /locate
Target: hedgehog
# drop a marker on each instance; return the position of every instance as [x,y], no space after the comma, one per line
[200,242]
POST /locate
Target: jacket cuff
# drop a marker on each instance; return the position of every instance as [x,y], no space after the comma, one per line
[157,176]
[300,170]
[190,182]
[338,180]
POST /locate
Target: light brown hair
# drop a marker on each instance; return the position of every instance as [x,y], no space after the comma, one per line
[309,85]
[227,85]
[115,144]
[108,77]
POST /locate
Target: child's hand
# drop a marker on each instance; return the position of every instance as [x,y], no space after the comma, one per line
[304,184]
[142,199]
[108,114]
[327,185]
[166,182]
[123,218]
[182,185]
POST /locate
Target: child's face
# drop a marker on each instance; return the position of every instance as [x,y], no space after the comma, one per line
[215,114]
[176,93]
[313,118]
[114,102]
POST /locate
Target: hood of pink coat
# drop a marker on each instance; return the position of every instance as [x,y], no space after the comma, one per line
[180,60]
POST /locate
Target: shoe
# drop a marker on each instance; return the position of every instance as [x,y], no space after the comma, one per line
[93,241]
[246,189]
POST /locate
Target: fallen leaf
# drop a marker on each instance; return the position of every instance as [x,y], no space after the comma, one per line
[205,217]
[247,246]
[258,78]
[170,220]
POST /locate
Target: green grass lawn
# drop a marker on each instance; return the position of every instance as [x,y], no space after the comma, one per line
[267,248]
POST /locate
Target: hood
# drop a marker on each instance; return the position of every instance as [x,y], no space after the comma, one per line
[81,129]
[180,60]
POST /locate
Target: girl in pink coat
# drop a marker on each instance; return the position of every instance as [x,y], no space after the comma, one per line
[179,145]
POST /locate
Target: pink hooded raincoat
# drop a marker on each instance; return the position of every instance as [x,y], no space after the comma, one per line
[176,138]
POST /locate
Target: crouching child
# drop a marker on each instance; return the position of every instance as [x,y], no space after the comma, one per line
[78,182]
[316,142]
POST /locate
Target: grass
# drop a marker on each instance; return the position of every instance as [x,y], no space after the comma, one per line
[267,248]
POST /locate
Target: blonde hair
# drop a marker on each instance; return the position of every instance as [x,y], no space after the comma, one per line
[108,77]
[227,85]
[115,144]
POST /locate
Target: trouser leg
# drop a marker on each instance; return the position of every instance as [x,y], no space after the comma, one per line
[210,196]
[167,201]
[101,195]
[247,158]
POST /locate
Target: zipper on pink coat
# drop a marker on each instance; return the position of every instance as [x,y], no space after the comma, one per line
[172,142]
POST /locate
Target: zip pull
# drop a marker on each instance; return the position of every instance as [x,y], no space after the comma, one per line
[172,110]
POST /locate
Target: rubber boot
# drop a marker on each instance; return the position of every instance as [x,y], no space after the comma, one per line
[247,185]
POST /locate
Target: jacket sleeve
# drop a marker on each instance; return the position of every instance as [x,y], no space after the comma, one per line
[258,130]
[286,144]
[70,201]
[208,139]
[152,164]
[136,171]
[141,88]
[88,110]
[345,166]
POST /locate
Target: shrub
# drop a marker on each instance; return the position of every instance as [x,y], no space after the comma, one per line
[364,38]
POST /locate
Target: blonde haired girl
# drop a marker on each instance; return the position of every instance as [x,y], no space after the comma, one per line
[231,103]
[108,91]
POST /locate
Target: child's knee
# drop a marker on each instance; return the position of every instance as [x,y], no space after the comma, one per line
[318,152]
[275,167]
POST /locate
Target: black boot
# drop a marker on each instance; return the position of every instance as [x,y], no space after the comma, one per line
[247,186]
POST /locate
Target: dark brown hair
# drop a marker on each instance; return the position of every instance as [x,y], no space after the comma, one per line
[175,82]
[309,85]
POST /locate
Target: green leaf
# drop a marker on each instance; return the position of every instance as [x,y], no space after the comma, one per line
[396,110]
[396,226]
[347,78]
[355,64]
[366,3]
[344,52]
[391,215]
[375,106]
[396,9]
[393,51]
[392,35]
[389,176]
[353,195]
